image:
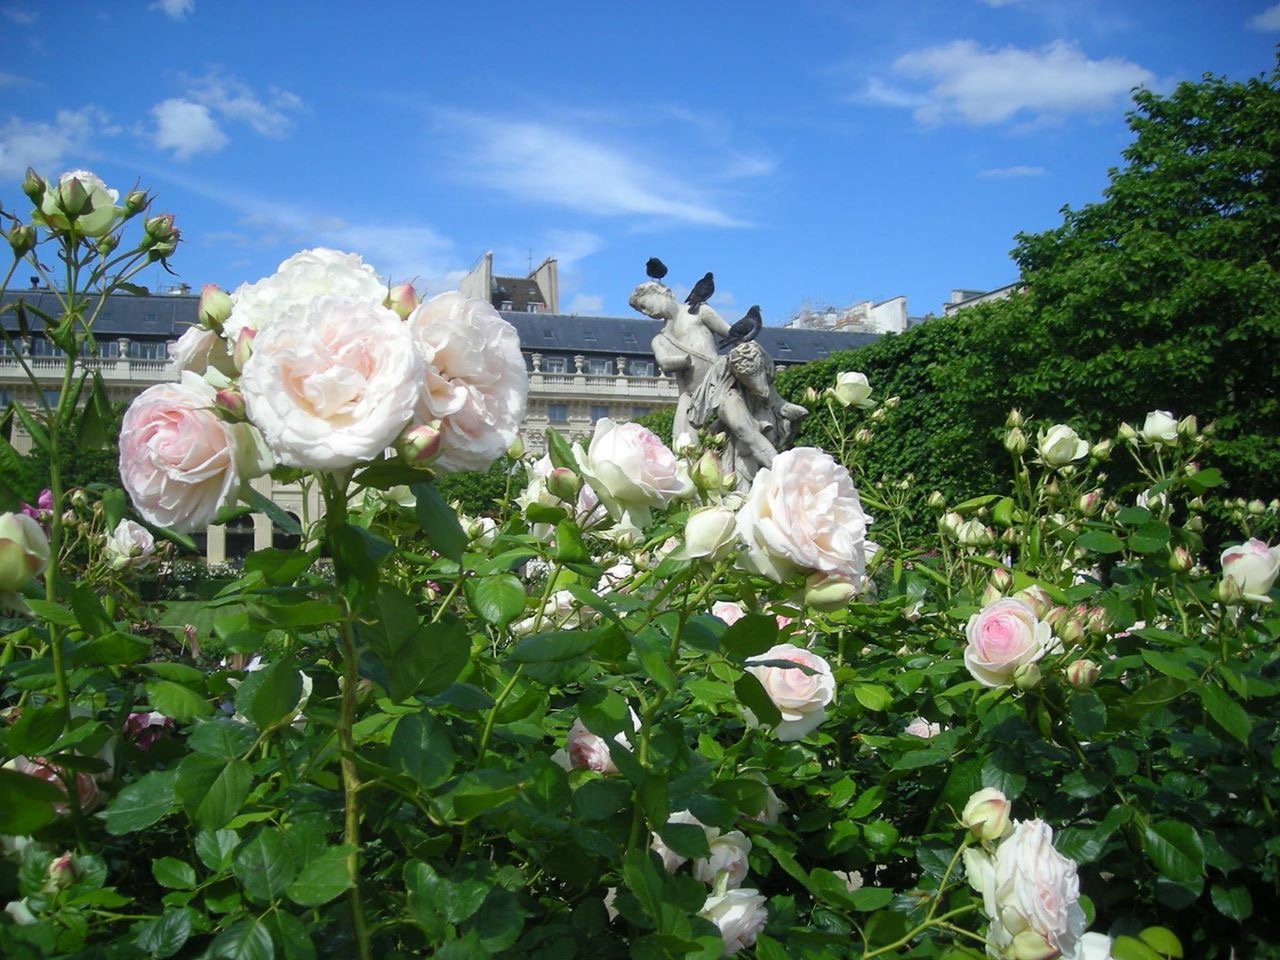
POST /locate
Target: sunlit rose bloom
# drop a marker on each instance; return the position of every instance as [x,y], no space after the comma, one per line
[1160,427]
[333,384]
[100,210]
[130,545]
[728,611]
[199,349]
[1253,566]
[922,728]
[632,471]
[729,852]
[585,751]
[802,698]
[475,380]
[739,914]
[1060,445]
[1004,636]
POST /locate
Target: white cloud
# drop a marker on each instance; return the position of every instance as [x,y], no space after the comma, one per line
[586,305]
[966,83]
[186,128]
[19,16]
[1015,171]
[234,100]
[1268,20]
[1000,3]
[48,146]
[541,163]
[175,9]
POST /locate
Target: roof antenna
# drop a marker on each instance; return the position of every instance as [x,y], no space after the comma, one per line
[530,249]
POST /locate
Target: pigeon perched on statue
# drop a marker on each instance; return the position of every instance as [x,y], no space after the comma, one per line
[655,268]
[748,328]
[701,292]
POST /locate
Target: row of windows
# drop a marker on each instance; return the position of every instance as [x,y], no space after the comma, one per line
[138,349]
[598,366]
[559,412]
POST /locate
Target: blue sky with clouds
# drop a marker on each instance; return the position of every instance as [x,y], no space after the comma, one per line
[811,152]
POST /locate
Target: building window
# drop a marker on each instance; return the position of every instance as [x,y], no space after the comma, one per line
[640,368]
[641,411]
[285,541]
[239,538]
[151,318]
[533,308]
[148,350]
[554,365]
[506,305]
[558,412]
[599,366]
[599,411]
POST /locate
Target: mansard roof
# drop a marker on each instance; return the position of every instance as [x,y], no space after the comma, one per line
[123,315]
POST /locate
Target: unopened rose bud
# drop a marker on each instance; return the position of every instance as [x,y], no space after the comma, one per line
[937,501]
[1098,622]
[986,815]
[827,593]
[33,186]
[1126,433]
[1027,677]
[79,498]
[877,415]
[107,243]
[949,523]
[809,397]
[564,484]
[1187,427]
[1101,450]
[1082,674]
[862,436]
[1229,592]
[1071,630]
[1110,508]
[516,450]
[69,518]
[1274,505]
[61,874]
[243,349]
[1015,419]
[402,299]
[1054,616]
[708,474]
[685,445]
[160,227]
[229,402]
[215,307]
[1038,599]
[1256,508]
[1180,560]
[1195,504]
[1001,579]
[1192,468]
[1090,503]
[893,402]
[135,202]
[419,445]
[1015,441]
[990,594]
[70,197]
[22,239]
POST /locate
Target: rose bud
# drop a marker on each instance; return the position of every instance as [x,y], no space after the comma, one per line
[1099,621]
[991,594]
[708,475]
[1027,676]
[241,352]
[1015,441]
[516,450]
[1015,419]
[1187,427]
[419,445]
[1089,503]
[986,814]
[24,550]
[937,501]
[33,186]
[135,202]
[230,404]
[1126,433]
[1180,560]
[825,592]
[564,484]
[1082,674]
[1001,579]
[402,300]
[22,239]
[215,307]
[1101,450]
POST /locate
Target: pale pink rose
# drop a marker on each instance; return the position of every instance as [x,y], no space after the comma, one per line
[671,860]
[587,508]
[729,852]
[922,728]
[130,545]
[179,462]
[199,349]
[986,814]
[586,751]
[475,381]
[1004,636]
[728,611]
[1030,894]
[632,471]
[300,279]
[332,385]
[42,769]
[1253,566]
[803,515]
[739,915]
[709,533]
[802,698]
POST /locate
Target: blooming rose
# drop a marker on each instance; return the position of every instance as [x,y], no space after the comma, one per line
[671,860]
[130,545]
[728,611]
[144,729]
[1094,946]
[24,550]
[986,814]
[1060,446]
[739,914]
[729,853]
[632,471]
[852,390]
[199,349]
[297,281]
[332,384]
[802,698]
[586,751]
[1253,566]
[476,384]
[179,462]
[803,514]
[99,212]
[1030,893]
[709,533]
[1160,427]
[1004,636]
[922,728]
[42,769]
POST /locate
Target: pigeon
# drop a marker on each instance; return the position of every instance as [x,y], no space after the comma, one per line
[655,268]
[701,292]
[748,328]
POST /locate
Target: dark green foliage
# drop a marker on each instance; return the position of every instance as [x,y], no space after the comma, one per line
[481,493]
[660,422]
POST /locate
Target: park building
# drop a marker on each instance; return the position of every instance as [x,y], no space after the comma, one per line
[581,369]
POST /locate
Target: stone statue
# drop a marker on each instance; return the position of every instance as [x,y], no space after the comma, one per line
[685,348]
[737,397]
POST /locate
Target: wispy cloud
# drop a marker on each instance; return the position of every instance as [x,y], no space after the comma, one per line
[186,128]
[1268,20]
[1015,171]
[193,124]
[23,18]
[546,163]
[49,146]
[963,82]
[586,304]
[174,9]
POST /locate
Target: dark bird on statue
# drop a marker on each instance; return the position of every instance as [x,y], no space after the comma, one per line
[701,292]
[748,328]
[655,268]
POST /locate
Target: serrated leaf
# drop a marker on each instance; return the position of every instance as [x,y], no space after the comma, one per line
[322,879]
[1230,715]
[552,647]
[265,865]
[244,940]
[439,522]
[211,790]
[873,696]
[1099,541]
[1232,900]
[214,848]
[750,636]
[176,701]
[420,747]
[142,803]
[173,873]
[497,600]
[221,737]
[1176,850]
[166,935]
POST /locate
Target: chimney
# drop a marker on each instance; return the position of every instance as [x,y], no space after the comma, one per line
[35,283]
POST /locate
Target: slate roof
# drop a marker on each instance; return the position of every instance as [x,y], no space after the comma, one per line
[123,315]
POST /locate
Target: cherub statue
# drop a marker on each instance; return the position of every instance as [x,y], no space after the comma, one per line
[738,398]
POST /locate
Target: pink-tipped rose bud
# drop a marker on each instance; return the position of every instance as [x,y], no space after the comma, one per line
[1082,674]
[990,594]
[230,404]
[419,445]
[215,307]
[986,815]
[1027,676]
[1098,622]
[61,874]
[564,484]
[1001,579]
[243,349]
[135,202]
[1229,591]
[1038,599]
[402,299]
[1180,560]
[1090,503]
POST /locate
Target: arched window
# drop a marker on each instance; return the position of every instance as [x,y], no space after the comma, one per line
[239,538]
[285,541]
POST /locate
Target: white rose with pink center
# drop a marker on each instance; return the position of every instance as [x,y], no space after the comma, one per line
[1005,635]
[801,696]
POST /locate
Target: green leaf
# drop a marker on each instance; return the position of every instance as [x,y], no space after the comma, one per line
[55,613]
[1151,537]
[600,799]
[497,600]
[1176,850]
[28,802]
[214,848]
[429,661]
[35,729]
[420,746]
[322,879]
[113,648]
[750,636]
[1099,541]
[439,522]
[173,873]
[292,937]
[559,451]
[1162,940]
[753,696]
[1169,666]
[604,712]
[1231,900]
[176,701]
[686,839]
[553,647]
[275,695]
[866,899]
[1129,948]
[265,865]
[280,518]
[358,553]
[873,696]
[1088,713]
[221,737]
[455,900]
[1229,715]
[166,935]
[280,567]
[142,803]
[570,547]
[212,790]
[244,940]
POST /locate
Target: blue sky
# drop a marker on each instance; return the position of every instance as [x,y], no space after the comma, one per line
[811,152]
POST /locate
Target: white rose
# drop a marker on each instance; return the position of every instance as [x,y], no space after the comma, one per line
[199,349]
[1253,566]
[332,384]
[586,751]
[986,814]
[1160,427]
[802,698]
[631,471]
[709,533]
[100,211]
[803,515]
[562,611]
[922,728]
[130,545]
[729,852]
[1094,946]
[739,915]
[1030,894]
[297,281]
[1060,446]
[852,390]
[475,382]
[1003,636]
